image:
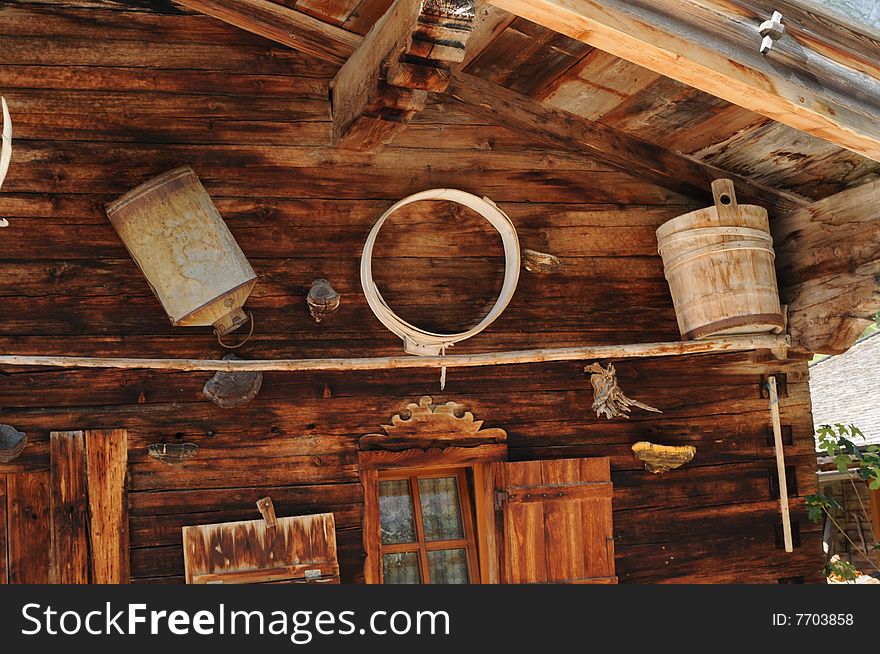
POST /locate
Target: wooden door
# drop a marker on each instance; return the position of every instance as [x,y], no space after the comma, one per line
[295,550]
[556,524]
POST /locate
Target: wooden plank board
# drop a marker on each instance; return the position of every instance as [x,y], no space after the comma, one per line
[29,527]
[252,552]
[597,84]
[566,131]
[273,21]
[525,57]
[69,506]
[107,465]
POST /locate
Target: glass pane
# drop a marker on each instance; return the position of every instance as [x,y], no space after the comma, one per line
[448,567]
[401,568]
[396,512]
[441,512]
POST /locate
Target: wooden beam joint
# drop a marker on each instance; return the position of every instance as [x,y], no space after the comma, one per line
[406,55]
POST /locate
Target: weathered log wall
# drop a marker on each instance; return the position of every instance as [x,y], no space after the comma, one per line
[105,98]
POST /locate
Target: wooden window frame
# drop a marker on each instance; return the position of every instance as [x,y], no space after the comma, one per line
[422,546]
[385,464]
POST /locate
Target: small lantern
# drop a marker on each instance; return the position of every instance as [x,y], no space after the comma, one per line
[190,259]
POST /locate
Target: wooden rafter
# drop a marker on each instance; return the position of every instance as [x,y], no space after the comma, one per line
[828,258]
[386,81]
[562,129]
[282,25]
[548,125]
[713,45]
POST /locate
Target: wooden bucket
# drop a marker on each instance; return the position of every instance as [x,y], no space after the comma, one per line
[719,263]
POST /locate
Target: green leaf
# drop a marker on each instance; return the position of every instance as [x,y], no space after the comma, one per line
[843,569]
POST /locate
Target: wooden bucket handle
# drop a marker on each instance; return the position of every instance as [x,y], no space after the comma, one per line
[725,198]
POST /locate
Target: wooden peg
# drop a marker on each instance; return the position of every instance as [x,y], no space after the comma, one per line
[267,510]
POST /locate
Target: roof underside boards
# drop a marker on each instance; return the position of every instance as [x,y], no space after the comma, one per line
[570,75]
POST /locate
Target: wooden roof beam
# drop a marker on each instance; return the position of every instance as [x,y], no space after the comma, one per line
[386,81]
[545,124]
[828,260]
[713,45]
[282,25]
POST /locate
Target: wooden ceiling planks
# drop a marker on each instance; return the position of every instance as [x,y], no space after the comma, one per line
[526,57]
[601,87]
[596,84]
[715,50]
[335,12]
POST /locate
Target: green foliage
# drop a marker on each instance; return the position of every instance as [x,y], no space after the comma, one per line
[818,504]
[837,443]
[842,569]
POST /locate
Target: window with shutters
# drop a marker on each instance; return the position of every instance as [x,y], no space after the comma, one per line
[442,504]
[496,522]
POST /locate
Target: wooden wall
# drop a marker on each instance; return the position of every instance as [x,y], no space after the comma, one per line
[104,98]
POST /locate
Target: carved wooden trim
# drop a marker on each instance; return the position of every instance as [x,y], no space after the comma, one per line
[427,426]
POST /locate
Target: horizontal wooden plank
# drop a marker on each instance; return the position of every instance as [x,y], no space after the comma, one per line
[721,561]
[128,25]
[264,58]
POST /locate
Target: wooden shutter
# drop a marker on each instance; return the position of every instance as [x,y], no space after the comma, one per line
[89,507]
[296,550]
[555,521]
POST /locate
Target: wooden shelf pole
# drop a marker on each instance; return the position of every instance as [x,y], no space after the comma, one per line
[777,344]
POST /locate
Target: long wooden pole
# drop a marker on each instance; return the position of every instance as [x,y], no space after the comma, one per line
[777,344]
[780,464]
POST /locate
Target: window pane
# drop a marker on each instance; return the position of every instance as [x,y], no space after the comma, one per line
[448,566]
[396,512]
[441,512]
[401,568]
